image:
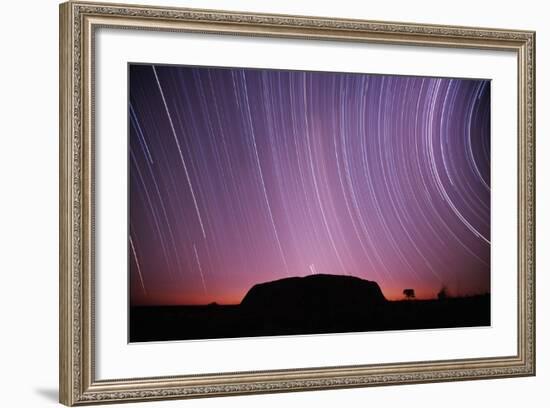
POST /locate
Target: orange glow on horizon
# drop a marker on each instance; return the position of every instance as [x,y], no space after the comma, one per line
[391,293]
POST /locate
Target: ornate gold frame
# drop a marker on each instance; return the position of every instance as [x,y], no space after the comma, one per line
[78,21]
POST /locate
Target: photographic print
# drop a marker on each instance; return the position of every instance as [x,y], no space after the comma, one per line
[317,185]
[269,202]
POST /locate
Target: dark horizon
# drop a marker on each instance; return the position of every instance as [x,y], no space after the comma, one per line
[311,304]
[239,176]
[397,299]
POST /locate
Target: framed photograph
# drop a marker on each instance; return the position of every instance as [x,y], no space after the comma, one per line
[258,203]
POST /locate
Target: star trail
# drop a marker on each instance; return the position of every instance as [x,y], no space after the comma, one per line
[241,176]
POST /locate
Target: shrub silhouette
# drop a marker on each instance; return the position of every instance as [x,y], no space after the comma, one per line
[443,294]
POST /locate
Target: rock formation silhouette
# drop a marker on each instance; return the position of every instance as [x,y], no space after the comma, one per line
[317,292]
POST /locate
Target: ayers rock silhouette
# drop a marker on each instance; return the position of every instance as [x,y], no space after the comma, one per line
[314,292]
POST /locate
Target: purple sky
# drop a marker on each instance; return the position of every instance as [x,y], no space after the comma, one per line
[241,176]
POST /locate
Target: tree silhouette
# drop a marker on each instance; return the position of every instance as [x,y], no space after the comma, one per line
[443,293]
[409,293]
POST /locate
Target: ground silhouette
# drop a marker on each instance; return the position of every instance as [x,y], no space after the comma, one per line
[313,304]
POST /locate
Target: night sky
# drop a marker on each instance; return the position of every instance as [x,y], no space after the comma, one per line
[241,176]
